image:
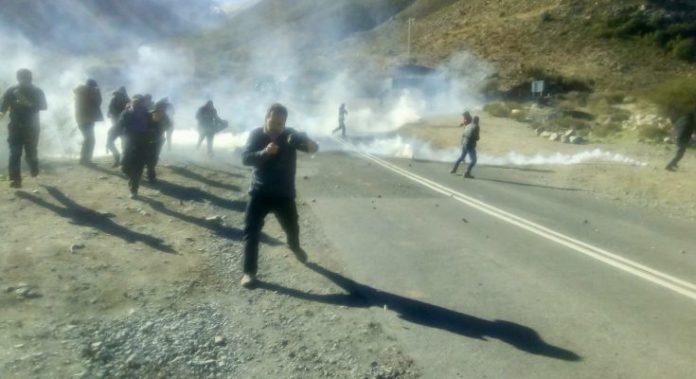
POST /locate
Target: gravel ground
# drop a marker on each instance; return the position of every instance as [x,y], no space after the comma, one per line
[82,302]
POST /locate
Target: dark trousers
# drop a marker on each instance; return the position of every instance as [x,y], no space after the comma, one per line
[681,149]
[471,152]
[136,156]
[153,159]
[88,144]
[259,206]
[208,137]
[23,139]
[111,138]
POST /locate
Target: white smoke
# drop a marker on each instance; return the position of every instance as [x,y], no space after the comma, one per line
[411,148]
[272,73]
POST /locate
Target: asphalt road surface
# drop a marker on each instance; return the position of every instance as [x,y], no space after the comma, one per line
[500,277]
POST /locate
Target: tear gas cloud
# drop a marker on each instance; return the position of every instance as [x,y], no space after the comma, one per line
[410,148]
[273,72]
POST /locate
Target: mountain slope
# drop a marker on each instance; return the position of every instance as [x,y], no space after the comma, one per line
[524,39]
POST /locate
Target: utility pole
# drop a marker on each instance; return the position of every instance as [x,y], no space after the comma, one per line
[411,20]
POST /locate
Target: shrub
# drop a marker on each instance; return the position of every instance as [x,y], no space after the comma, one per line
[675,34]
[520,115]
[676,96]
[652,133]
[684,49]
[498,109]
[606,129]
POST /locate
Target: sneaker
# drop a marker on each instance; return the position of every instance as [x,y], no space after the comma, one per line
[248,280]
[15,184]
[671,168]
[116,164]
[453,172]
[300,254]
[133,195]
[469,176]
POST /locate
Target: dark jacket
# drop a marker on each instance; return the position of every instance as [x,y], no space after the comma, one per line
[88,105]
[118,104]
[207,118]
[274,176]
[137,125]
[24,104]
[684,128]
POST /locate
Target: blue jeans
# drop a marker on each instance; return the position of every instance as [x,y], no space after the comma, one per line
[471,152]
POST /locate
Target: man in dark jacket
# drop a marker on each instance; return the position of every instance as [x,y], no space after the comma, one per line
[209,123]
[683,130]
[272,152]
[469,139]
[24,102]
[142,140]
[117,105]
[88,101]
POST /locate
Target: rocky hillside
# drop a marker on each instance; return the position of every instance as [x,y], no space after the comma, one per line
[599,45]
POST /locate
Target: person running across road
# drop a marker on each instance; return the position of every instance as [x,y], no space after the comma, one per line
[683,130]
[469,141]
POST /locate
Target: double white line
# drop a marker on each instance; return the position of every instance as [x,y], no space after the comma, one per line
[660,278]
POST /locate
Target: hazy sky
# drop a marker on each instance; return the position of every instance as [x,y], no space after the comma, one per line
[231,5]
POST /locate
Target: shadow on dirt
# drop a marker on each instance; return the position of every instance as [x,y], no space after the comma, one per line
[83,216]
[429,315]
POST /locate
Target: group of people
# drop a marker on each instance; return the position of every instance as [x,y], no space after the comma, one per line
[139,122]
[271,151]
[142,125]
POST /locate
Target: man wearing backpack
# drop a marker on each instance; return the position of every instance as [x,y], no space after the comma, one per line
[209,123]
[88,101]
[469,139]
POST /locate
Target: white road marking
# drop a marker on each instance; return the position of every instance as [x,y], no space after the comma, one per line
[657,277]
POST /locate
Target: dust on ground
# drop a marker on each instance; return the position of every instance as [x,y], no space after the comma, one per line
[95,285]
[649,185]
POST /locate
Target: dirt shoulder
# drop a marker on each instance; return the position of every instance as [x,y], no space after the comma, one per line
[649,185]
[93,285]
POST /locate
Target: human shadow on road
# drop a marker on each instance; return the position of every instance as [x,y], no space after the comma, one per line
[360,295]
[186,173]
[215,226]
[221,172]
[186,193]
[114,172]
[84,216]
[528,184]
[521,168]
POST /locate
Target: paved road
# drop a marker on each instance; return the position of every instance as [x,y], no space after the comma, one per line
[470,294]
